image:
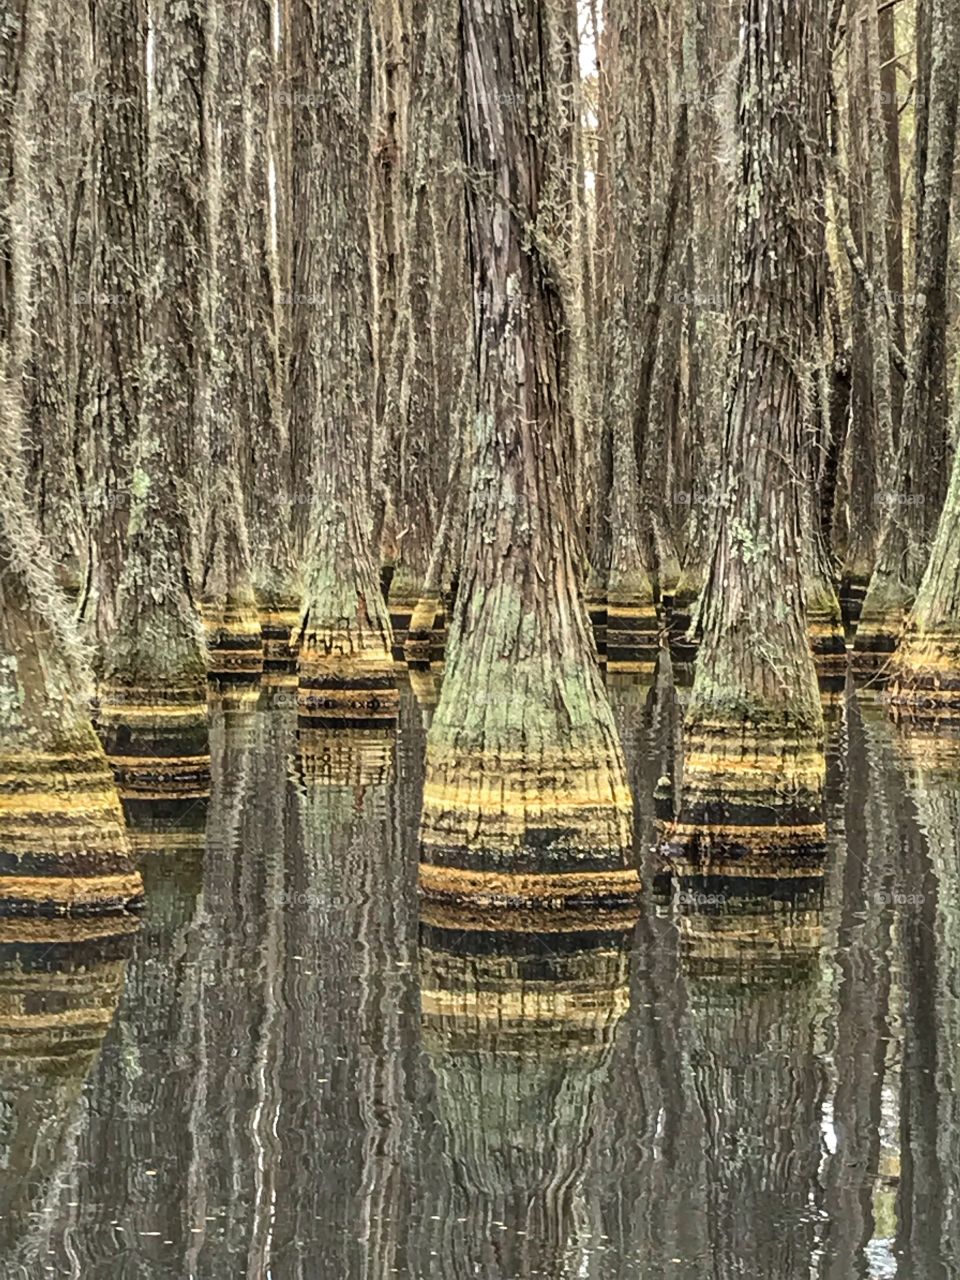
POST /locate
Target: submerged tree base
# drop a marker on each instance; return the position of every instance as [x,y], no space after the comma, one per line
[279,621]
[508,830]
[595,602]
[346,681]
[632,636]
[156,739]
[752,797]
[426,635]
[879,629]
[63,847]
[233,638]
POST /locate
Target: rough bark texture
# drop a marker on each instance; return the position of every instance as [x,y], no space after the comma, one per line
[526,796]
[631,616]
[63,848]
[274,505]
[920,476]
[227,603]
[112,337]
[345,669]
[153,691]
[753,757]
[425,394]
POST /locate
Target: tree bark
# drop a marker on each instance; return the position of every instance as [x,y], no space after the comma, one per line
[63,847]
[755,695]
[345,668]
[153,693]
[228,607]
[526,797]
[919,479]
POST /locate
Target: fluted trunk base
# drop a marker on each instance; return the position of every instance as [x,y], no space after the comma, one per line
[426,636]
[279,625]
[632,642]
[63,847]
[343,688]
[157,740]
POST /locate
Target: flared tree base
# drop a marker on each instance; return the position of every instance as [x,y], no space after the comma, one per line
[752,798]
[508,832]
[156,739]
[683,650]
[345,687]
[828,644]
[402,606]
[426,636]
[63,848]
[233,640]
[878,634]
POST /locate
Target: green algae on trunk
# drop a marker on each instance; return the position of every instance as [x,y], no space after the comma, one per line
[753,739]
[525,799]
[63,847]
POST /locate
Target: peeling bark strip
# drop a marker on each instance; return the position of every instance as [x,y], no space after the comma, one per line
[345,668]
[526,799]
[63,849]
[153,704]
[753,749]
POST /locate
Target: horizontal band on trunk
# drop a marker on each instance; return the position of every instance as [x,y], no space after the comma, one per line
[596,887]
[60,862]
[64,895]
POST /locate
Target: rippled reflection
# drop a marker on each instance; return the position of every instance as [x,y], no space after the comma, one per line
[306,1078]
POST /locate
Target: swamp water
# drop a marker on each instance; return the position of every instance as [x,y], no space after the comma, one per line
[289,1072]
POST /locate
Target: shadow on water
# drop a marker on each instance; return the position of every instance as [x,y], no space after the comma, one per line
[305,1077]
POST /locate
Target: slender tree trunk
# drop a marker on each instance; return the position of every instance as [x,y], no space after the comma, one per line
[631,623]
[755,695]
[916,487]
[153,693]
[273,505]
[113,333]
[345,670]
[63,847]
[228,607]
[526,797]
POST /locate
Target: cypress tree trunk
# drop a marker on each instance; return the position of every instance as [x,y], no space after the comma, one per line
[424,402]
[918,483]
[153,691]
[50,215]
[227,603]
[112,350]
[63,848]
[753,752]
[345,669]
[631,621]
[926,665]
[526,799]
[272,509]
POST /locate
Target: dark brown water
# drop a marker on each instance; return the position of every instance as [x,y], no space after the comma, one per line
[302,1078]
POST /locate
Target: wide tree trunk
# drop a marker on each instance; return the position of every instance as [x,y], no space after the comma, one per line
[345,669]
[153,708]
[63,847]
[753,743]
[918,482]
[228,607]
[112,337]
[526,798]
